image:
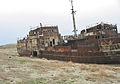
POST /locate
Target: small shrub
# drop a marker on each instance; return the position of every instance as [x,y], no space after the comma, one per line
[44,70]
[44,59]
[58,64]
[35,65]
[7,83]
[89,77]
[93,69]
[68,70]
[106,67]
[102,73]
[69,63]
[61,74]
[84,67]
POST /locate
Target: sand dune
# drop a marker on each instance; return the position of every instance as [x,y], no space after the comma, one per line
[8,46]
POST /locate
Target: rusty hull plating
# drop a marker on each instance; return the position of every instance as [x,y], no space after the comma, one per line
[97,44]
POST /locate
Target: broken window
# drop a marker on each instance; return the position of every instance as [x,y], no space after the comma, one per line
[113,29]
[98,27]
[54,41]
[97,37]
[34,32]
[103,36]
[52,31]
[51,43]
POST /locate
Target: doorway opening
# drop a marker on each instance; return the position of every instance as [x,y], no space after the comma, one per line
[34,53]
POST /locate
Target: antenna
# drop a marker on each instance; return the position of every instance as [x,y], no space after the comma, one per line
[73,16]
[40,24]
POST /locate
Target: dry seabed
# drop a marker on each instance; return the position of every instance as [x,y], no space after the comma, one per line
[25,70]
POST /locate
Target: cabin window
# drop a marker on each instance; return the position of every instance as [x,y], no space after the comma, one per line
[86,39]
[49,30]
[98,27]
[90,45]
[103,36]
[51,43]
[97,37]
[42,43]
[38,32]
[106,27]
[30,41]
[52,30]
[54,41]
[113,29]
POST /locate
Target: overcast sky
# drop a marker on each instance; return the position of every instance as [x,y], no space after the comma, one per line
[18,16]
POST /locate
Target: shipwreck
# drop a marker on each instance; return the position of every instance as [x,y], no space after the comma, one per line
[97,44]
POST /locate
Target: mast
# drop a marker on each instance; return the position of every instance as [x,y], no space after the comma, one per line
[73,17]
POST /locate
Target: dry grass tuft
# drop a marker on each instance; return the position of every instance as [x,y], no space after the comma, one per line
[55,64]
[106,74]
[59,64]
[102,73]
[116,69]
[84,67]
[44,59]
[69,70]
[93,69]
[70,63]
[60,74]
[94,65]
[106,67]
[4,77]
[111,75]
[35,65]
[44,70]
[89,77]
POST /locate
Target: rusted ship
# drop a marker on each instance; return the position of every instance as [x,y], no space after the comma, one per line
[97,44]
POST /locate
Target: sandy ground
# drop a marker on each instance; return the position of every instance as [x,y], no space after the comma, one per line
[25,70]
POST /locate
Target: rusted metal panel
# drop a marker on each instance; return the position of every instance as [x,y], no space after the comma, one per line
[63,48]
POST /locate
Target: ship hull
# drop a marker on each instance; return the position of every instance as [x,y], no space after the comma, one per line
[94,58]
